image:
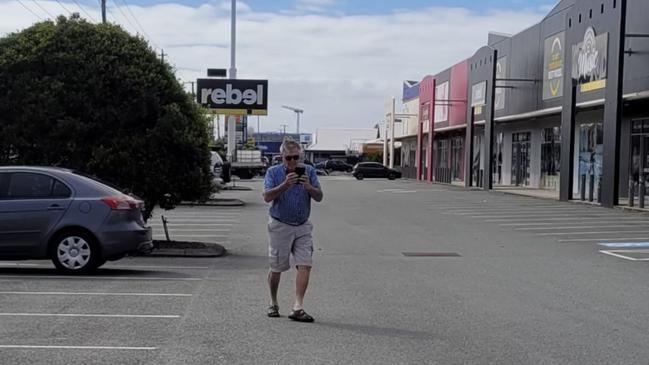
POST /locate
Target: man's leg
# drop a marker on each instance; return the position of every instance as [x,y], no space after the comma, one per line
[273,284]
[301,283]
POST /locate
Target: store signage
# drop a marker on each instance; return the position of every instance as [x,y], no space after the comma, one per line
[553,66]
[479,94]
[410,90]
[441,102]
[589,61]
[501,72]
[234,97]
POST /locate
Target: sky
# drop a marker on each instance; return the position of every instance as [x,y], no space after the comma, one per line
[339,60]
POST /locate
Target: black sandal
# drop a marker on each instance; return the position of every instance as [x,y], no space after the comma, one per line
[301,316]
[273,311]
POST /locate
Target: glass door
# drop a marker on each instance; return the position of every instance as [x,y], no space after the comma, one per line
[591,149]
[639,163]
[521,146]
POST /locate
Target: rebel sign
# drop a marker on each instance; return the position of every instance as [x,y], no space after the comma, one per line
[234,97]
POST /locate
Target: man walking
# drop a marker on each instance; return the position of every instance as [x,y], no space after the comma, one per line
[290,186]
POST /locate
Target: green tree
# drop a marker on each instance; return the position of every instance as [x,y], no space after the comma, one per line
[92,97]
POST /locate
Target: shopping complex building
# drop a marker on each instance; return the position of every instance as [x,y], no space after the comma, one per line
[561,108]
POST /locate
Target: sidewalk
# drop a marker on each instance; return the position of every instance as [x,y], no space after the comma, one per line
[535,193]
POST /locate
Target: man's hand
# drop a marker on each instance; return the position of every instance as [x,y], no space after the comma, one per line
[291,179]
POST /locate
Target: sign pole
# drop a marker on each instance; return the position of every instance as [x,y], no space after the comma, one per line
[232,127]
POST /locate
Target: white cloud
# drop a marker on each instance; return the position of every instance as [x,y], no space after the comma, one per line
[315,6]
[339,69]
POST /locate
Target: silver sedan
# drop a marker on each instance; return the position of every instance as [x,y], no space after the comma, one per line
[74,220]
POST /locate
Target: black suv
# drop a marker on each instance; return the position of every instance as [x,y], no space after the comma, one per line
[374,169]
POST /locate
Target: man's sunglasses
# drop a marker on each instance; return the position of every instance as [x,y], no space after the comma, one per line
[294,158]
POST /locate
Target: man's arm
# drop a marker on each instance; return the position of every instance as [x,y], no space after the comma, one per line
[274,193]
[312,186]
[316,193]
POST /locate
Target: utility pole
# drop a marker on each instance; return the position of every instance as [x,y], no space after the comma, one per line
[284,128]
[162,54]
[232,128]
[392,111]
[103,11]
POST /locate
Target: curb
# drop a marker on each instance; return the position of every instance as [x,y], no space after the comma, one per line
[214,250]
[216,203]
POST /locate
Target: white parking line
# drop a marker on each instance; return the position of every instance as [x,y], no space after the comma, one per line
[98,294]
[195,221]
[161,236]
[194,229]
[161,231]
[619,255]
[38,347]
[61,277]
[588,233]
[534,215]
[576,227]
[509,210]
[155,267]
[88,315]
[554,223]
[537,219]
[607,239]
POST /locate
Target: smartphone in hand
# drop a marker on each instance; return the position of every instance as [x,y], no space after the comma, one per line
[300,171]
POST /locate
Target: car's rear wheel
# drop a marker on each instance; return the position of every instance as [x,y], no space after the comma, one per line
[75,252]
[359,176]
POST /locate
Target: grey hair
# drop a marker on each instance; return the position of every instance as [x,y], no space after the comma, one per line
[288,144]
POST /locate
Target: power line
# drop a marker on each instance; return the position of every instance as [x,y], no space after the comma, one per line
[138,23]
[127,19]
[84,10]
[64,8]
[42,8]
[29,10]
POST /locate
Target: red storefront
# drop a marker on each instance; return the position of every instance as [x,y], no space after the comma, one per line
[442,125]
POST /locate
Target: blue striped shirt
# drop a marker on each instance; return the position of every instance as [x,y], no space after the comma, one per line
[294,205]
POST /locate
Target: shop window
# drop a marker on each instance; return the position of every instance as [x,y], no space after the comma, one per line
[550,158]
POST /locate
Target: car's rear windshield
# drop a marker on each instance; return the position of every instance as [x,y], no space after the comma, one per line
[102,186]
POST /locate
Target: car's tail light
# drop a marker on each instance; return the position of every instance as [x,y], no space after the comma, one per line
[122,202]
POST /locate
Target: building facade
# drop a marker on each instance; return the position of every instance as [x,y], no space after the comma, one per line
[560,106]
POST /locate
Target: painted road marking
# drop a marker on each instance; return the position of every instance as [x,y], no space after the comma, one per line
[38,347]
[554,223]
[608,239]
[625,244]
[25,277]
[588,233]
[542,219]
[98,294]
[576,227]
[88,315]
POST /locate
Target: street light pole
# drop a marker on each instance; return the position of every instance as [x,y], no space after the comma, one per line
[232,125]
[392,133]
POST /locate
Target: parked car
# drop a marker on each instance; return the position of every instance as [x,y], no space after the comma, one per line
[74,220]
[334,165]
[217,165]
[374,169]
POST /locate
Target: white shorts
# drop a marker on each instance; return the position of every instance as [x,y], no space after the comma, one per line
[285,241]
